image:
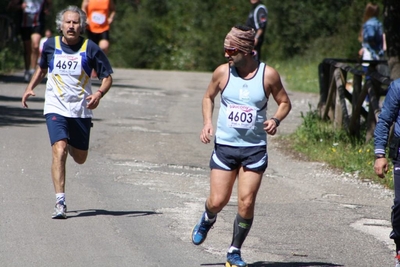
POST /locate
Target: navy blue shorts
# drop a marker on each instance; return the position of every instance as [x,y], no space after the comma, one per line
[229,158]
[75,130]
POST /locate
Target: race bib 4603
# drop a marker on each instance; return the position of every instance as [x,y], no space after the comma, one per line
[241,116]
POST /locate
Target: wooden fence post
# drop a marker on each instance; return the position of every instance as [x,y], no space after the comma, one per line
[328,110]
[341,114]
[333,104]
[354,127]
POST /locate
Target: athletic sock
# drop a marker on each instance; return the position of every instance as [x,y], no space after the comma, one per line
[241,228]
[232,248]
[209,215]
[60,197]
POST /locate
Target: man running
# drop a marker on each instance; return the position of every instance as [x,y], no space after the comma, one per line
[68,61]
[240,150]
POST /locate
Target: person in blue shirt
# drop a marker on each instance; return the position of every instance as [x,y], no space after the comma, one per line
[371,35]
[240,150]
[68,60]
[372,39]
[390,115]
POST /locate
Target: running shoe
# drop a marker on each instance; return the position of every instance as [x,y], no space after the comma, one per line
[201,229]
[234,259]
[27,76]
[60,211]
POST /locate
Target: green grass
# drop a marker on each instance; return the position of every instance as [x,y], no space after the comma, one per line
[320,141]
[299,74]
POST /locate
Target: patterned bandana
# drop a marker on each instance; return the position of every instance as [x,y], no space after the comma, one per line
[242,40]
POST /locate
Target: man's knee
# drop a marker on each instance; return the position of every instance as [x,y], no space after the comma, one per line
[216,204]
[59,149]
[78,155]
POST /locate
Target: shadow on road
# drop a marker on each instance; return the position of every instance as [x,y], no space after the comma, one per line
[282,264]
[294,264]
[96,212]
[16,78]
[12,116]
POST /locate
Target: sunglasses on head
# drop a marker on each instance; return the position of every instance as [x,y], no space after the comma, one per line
[231,51]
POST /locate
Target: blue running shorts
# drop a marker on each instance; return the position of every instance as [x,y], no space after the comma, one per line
[254,158]
[75,130]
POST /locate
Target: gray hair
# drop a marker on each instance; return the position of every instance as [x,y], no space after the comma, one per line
[82,16]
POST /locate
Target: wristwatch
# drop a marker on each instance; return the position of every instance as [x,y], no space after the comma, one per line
[277,122]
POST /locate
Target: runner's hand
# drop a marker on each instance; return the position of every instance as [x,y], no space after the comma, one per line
[25,97]
[381,167]
[94,100]
[207,133]
[270,127]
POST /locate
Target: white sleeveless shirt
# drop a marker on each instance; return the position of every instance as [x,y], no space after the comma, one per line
[243,110]
[68,83]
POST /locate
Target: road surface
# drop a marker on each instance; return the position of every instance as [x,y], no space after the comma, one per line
[136,199]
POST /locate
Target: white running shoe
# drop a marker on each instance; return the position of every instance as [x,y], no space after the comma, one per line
[60,211]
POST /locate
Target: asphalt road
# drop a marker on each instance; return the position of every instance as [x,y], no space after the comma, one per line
[136,199]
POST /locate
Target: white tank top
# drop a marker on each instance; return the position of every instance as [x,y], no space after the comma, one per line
[68,83]
[243,110]
[32,12]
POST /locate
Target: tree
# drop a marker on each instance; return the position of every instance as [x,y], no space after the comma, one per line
[391,25]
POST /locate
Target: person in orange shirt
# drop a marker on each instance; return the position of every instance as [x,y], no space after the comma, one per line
[100,14]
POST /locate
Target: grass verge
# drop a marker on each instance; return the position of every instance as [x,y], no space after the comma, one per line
[319,141]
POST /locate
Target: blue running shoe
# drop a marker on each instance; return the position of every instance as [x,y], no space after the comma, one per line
[201,229]
[234,259]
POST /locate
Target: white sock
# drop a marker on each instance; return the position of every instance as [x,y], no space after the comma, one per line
[60,197]
[208,219]
[231,249]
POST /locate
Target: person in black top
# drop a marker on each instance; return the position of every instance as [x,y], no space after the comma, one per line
[257,19]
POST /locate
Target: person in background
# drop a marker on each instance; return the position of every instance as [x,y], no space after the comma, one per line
[372,40]
[69,100]
[47,35]
[240,151]
[31,29]
[258,19]
[371,34]
[100,14]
